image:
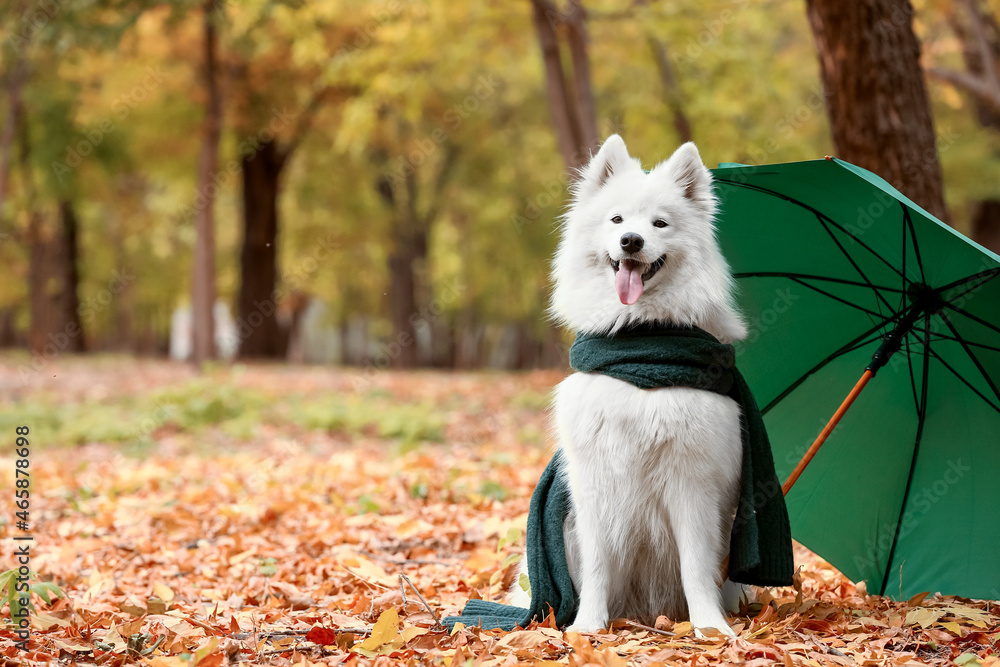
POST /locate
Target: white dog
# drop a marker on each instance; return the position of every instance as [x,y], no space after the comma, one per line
[653,474]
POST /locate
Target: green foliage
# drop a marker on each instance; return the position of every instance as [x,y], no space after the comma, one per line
[492,490]
[268,567]
[218,401]
[120,82]
[12,580]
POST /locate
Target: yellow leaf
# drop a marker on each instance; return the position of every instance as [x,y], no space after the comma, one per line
[163,592]
[523,639]
[951,627]
[682,629]
[409,633]
[385,630]
[923,616]
[168,661]
[977,617]
[43,621]
[206,649]
[457,627]
[114,638]
[72,645]
[510,560]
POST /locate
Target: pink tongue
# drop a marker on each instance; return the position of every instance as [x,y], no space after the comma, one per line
[628,282]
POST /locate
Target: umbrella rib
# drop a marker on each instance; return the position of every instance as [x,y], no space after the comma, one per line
[913,382]
[972,317]
[902,297]
[922,414]
[964,381]
[967,342]
[821,216]
[808,276]
[987,275]
[836,298]
[913,239]
[844,349]
[975,359]
[850,259]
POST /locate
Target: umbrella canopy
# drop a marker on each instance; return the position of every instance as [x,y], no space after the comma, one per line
[834,265]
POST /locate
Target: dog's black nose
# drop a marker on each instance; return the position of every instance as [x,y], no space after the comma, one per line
[631,242]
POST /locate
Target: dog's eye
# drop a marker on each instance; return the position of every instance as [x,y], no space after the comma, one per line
[659,222]
[617,219]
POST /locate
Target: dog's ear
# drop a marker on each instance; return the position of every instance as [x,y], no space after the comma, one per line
[612,158]
[687,170]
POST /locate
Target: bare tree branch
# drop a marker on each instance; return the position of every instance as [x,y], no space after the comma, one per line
[671,90]
[304,123]
[549,10]
[15,110]
[566,122]
[983,44]
[440,183]
[576,21]
[969,83]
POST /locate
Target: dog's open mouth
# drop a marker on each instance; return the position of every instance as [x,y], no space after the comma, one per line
[631,275]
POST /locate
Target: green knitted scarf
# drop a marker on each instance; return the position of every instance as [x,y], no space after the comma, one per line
[651,357]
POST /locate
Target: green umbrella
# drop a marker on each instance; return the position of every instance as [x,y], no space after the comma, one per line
[842,277]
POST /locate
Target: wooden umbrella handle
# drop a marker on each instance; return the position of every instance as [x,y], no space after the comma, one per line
[826,432]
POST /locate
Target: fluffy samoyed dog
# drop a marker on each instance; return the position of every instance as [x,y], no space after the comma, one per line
[653,474]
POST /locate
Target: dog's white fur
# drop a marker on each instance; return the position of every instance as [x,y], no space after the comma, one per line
[653,474]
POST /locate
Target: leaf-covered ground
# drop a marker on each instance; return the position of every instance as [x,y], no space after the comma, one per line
[267,515]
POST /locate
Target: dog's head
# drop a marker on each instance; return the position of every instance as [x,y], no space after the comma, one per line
[640,246]
[640,220]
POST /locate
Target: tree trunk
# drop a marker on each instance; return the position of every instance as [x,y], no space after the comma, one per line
[14,112]
[407,263]
[671,91]
[257,324]
[573,114]
[876,98]
[70,318]
[583,95]
[203,276]
[985,225]
[403,298]
[40,296]
[42,290]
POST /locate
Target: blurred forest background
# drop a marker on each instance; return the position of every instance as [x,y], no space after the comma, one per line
[378,183]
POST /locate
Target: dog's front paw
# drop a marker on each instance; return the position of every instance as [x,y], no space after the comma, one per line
[583,625]
[722,627]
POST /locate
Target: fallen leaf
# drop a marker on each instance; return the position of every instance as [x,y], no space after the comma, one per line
[385,630]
